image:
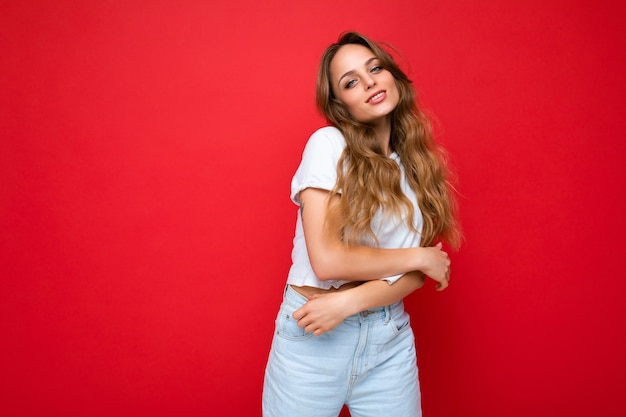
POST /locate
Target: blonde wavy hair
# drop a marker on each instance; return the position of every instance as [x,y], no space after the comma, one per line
[368,181]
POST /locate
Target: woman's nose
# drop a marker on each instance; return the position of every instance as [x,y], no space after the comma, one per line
[369,82]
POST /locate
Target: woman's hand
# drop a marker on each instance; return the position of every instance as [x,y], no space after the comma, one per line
[437,266]
[323,312]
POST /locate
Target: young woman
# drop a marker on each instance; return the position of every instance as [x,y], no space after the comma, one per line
[374,202]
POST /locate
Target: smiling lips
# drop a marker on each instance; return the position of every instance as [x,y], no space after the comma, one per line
[377,97]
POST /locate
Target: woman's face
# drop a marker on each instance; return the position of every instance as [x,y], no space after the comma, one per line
[366,89]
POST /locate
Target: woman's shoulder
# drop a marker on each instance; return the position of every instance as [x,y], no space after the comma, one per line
[330,131]
[327,136]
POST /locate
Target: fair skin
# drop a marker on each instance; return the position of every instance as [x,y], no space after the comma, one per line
[369,93]
[367,90]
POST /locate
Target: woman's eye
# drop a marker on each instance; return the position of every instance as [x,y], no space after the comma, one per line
[376,69]
[350,83]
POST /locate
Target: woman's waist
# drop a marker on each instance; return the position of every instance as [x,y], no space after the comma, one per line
[308,291]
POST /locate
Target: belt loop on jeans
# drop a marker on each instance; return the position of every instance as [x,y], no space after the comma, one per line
[387,314]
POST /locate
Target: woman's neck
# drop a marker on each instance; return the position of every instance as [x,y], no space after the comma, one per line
[383,133]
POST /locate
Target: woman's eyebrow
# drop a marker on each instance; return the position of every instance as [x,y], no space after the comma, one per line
[369,61]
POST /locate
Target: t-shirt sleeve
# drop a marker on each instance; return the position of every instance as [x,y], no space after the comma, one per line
[318,168]
[392,279]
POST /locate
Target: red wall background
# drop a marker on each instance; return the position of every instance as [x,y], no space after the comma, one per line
[146,153]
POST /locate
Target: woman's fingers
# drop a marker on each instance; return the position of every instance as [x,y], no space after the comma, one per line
[299,313]
[320,314]
[311,326]
[439,269]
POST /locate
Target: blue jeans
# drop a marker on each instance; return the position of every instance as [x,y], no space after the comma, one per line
[368,362]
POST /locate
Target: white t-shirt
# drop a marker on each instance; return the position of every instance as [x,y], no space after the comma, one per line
[318,169]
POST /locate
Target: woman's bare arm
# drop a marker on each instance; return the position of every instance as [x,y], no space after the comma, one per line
[324,312]
[331,259]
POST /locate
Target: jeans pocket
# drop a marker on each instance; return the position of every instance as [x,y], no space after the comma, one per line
[287,326]
[400,323]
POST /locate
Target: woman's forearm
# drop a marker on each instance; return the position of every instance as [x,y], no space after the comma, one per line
[324,312]
[363,263]
[380,293]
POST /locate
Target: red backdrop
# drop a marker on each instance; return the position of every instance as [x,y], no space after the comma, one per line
[146,153]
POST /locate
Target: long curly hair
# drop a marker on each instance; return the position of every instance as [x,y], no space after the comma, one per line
[368,181]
